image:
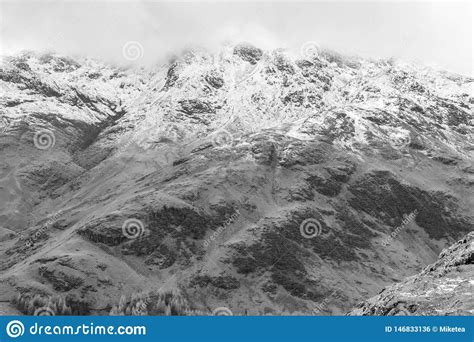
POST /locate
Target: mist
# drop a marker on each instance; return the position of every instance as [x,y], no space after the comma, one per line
[438,34]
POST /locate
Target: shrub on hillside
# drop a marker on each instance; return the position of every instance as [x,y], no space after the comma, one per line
[169,303]
[49,305]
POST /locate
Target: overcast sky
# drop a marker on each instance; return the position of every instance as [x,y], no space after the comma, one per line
[437,33]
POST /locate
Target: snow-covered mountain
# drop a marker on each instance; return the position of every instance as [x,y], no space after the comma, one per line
[259,181]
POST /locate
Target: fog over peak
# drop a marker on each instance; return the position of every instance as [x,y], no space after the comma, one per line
[422,31]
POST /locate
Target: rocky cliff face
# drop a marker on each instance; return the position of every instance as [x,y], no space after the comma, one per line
[443,288]
[254,180]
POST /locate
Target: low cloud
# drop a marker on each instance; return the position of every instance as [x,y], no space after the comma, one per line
[424,31]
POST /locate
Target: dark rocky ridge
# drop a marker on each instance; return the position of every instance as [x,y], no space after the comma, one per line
[442,288]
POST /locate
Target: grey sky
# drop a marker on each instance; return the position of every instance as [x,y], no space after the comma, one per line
[435,33]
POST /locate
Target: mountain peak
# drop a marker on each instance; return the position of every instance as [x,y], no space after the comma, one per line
[263,181]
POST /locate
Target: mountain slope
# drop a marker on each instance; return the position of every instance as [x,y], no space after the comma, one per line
[258,181]
[443,288]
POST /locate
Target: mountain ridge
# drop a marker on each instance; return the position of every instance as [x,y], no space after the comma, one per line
[182,148]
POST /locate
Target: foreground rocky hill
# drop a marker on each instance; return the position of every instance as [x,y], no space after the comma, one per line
[443,288]
[257,181]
